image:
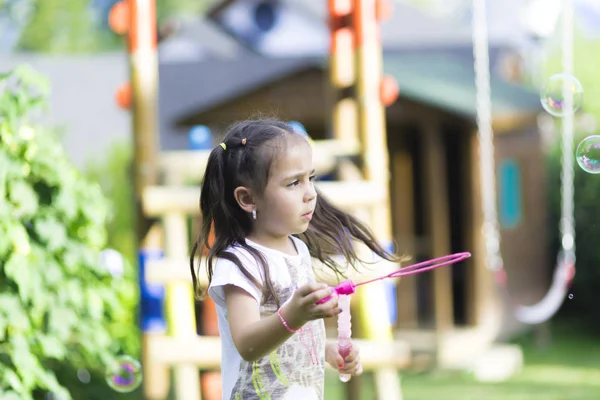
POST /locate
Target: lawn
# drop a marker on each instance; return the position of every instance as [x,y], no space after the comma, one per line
[568,370]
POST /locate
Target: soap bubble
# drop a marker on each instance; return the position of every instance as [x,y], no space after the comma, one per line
[588,154]
[83,375]
[113,261]
[554,95]
[124,374]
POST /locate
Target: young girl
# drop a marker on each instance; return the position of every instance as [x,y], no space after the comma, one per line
[258,198]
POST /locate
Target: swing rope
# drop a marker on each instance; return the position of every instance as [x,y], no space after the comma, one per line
[565,270]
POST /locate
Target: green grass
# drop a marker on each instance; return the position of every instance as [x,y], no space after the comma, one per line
[568,370]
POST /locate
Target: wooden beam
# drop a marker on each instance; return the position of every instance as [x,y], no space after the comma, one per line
[160,200]
[404,229]
[438,221]
[471,212]
[486,304]
[205,352]
[189,165]
[510,122]
[349,172]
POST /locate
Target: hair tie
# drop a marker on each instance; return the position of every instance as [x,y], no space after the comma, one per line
[223,146]
[243,141]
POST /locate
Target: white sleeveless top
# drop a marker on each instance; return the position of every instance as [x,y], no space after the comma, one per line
[295,370]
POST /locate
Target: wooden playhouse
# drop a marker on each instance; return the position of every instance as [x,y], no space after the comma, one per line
[432,146]
[432,192]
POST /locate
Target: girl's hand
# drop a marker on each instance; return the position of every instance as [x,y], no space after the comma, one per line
[350,366]
[302,306]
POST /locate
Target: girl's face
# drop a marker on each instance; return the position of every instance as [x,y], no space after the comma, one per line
[289,198]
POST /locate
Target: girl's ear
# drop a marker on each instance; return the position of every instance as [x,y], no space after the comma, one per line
[244,198]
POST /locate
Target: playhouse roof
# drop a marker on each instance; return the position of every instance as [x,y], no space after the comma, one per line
[447,81]
[442,79]
[432,60]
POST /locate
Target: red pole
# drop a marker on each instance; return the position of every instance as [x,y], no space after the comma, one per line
[143,60]
[372,306]
[143,64]
[341,70]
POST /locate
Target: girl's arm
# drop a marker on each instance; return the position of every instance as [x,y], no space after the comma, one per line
[254,337]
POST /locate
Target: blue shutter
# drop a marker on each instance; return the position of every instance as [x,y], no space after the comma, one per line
[509,193]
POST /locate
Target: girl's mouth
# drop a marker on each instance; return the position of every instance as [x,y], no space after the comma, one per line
[307,216]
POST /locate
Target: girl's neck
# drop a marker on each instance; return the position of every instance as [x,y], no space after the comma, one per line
[283,244]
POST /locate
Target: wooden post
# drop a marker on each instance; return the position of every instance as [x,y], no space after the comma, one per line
[438,221]
[180,301]
[144,82]
[342,74]
[180,306]
[372,301]
[157,378]
[404,227]
[486,306]
[342,79]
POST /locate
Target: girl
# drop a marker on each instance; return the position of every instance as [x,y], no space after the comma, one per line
[259,199]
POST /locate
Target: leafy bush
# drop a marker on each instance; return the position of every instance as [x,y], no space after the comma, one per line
[587,232]
[59,307]
[112,172]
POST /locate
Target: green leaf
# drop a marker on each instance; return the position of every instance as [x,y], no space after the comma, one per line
[14,311]
[51,269]
[52,232]
[60,322]
[71,293]
[3,327]
[4,167]
[11,396]
[51,347]
[95,304]
[66,204]
[48,381]
[6,246]
[13,380]
[16,268]
[19,238]
[23,198]
[25,362]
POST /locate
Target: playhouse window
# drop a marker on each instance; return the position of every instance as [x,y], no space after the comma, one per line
[509,192]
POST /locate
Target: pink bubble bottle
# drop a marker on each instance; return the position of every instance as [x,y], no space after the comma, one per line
[344,331]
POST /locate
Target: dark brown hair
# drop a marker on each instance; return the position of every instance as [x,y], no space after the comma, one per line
[330,233]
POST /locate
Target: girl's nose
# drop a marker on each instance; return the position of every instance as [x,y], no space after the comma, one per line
[311,193]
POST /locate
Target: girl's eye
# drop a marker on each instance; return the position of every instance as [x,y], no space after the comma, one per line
[312,178]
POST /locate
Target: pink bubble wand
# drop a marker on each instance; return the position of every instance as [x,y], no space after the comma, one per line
[347,287]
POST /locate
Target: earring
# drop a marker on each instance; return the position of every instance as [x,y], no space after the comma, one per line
[254,214]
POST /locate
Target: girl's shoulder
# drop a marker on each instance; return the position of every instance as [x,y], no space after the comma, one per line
[225,267]
[246,257]
[240,252]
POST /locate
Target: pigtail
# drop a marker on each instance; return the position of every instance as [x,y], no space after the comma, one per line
[332,232]
[212,189]
[222,220]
